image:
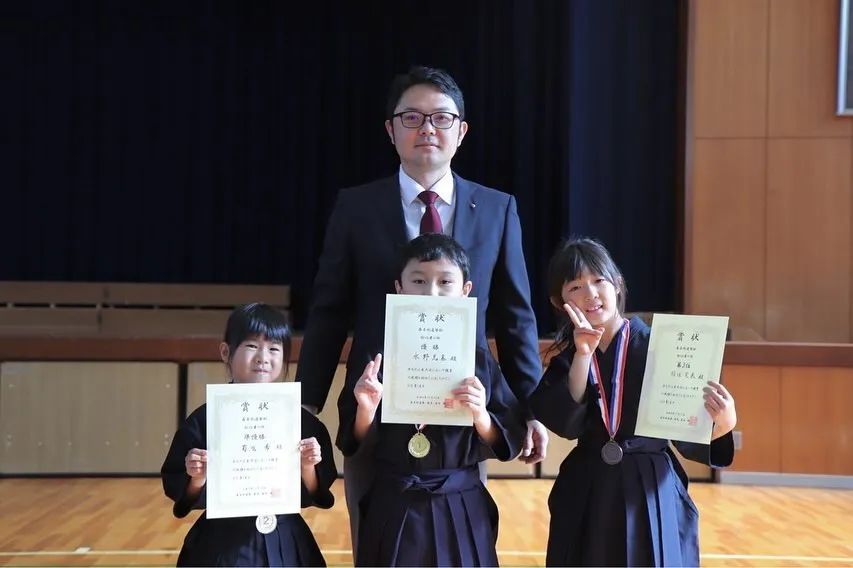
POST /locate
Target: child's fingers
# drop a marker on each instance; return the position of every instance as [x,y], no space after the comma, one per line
[372,367]
[714,403]
[588,331]
[469,399]
[469,386]
[581,317]
[311,453]
[714,399]
[719,388]
[572,316]
[473,382]
[197,455]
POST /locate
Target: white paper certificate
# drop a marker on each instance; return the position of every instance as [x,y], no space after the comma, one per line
[685,352]
[253,433]
[430,345]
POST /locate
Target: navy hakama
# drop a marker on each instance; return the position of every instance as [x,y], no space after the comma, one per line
[435,510]
[237,541]
[634,513]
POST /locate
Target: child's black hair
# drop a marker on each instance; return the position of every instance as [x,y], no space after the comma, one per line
[435,246]
[258,320]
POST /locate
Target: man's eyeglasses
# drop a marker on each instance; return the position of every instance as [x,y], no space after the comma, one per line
[414,119]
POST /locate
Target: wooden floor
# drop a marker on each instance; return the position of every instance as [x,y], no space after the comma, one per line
[128,522]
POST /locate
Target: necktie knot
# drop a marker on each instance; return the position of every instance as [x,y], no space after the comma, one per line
[428,197]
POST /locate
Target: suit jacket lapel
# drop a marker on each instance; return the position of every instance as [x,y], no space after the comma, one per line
[466,211]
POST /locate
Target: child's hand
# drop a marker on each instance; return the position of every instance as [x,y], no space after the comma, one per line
[310,452]
[472,395]
[368,389]
[720,404]
[196,462]
[586,338]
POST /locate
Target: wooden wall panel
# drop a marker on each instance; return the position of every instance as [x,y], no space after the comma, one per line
[728,244]
[766,71]
[199,375]
[86,418]
[808,239]
[163,323]
[817,429]
[757,394]
[730,71]
[695,471]
[49,321]
[558,449]
[803,69]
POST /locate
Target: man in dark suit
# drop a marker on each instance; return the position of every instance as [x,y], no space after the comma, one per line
[358,264]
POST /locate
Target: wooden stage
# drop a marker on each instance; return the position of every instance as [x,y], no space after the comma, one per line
[128,522]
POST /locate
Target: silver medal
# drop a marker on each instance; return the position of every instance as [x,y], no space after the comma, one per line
[266,523]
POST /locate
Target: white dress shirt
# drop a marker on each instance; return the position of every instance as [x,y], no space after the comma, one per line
[414,208]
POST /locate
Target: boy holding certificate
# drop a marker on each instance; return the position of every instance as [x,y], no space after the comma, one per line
[619,499]
[427,505]
[255,349]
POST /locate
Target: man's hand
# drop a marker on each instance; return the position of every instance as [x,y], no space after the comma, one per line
[536,444]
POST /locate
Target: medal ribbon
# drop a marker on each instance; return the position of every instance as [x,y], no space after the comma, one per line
[612,416]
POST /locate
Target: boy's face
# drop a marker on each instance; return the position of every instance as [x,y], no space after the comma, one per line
[434,278]
[256,360]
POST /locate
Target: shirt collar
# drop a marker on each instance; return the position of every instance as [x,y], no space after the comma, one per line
[410,189]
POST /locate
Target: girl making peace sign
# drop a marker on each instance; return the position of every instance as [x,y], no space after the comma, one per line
[619,499]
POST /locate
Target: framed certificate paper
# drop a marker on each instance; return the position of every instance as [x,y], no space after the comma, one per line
[429,349]
[685,352]
[253,434]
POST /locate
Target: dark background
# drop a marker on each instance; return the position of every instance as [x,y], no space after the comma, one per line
[201,141]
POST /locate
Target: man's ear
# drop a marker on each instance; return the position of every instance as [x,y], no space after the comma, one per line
[463,130]
[224,352]
[398,287]
[467,287]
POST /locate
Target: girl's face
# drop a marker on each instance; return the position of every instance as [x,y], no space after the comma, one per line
[595,296]
[256,360]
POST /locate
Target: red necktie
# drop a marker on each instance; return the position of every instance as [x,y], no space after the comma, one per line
[430,222]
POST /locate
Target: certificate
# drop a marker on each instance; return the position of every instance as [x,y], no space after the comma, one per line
[253,434]
[429,350]
[685,352]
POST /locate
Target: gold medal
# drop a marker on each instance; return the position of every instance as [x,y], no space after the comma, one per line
[419,445]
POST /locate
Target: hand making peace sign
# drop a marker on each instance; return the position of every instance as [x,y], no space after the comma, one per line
[586,337]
